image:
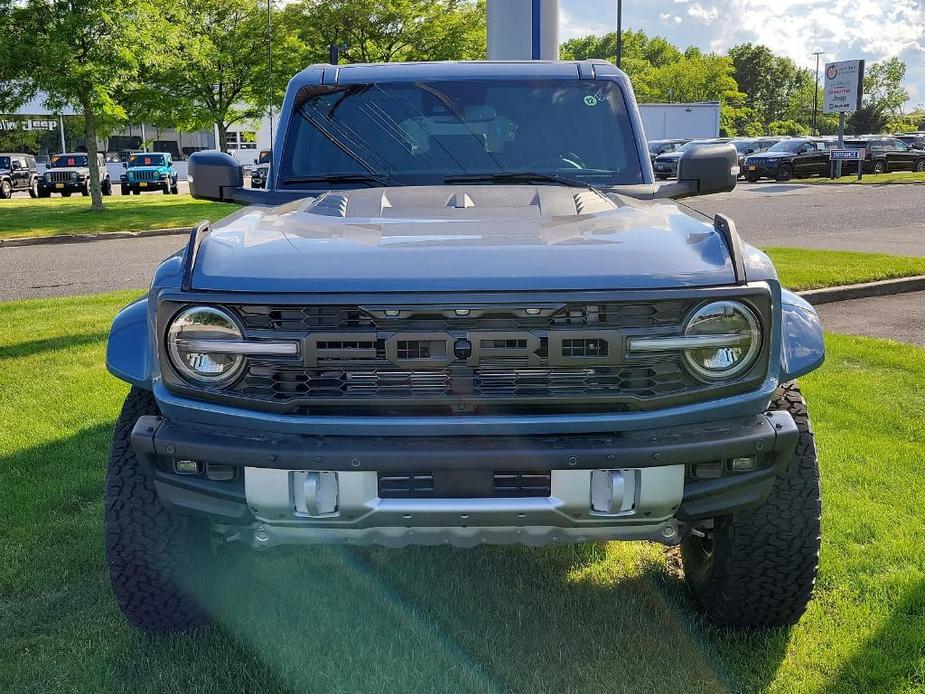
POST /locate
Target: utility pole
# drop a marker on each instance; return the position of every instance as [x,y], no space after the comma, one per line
[816,93]
[270,68]
[620,34]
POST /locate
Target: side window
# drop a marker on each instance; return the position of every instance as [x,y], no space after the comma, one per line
[900,145]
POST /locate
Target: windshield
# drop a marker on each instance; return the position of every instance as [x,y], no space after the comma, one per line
[422,133]
[4,162]
[146,159]
[65,160]
[787,146]
[745,145]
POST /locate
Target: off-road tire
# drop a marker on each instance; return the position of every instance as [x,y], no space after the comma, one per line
[879,167]
[44,193]
[167,189]
[920,165]
[6,190]
[34,188]
[757,568]
[125,190]
[785,172]
[106,187]
[752,179]
[65,193]
[150,552]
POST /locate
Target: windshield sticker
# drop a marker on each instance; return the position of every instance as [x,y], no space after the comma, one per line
[590,100]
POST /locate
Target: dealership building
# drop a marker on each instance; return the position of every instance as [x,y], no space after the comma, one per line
[36,129]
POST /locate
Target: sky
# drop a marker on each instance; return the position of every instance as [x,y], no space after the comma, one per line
[844,29]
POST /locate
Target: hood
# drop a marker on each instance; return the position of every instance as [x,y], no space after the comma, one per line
[668,156]
[68,169]
[141,169]
[460,238]
[770,155]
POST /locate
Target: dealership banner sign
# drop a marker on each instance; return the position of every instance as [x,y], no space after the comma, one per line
[844,86]
[9,124]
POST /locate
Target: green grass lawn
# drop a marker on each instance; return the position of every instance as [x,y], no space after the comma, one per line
[872,179]
[801,268]
[54,216]
[587,618]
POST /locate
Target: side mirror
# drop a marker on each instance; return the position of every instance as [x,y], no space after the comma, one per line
[214,175]
[705,169]
[750,150]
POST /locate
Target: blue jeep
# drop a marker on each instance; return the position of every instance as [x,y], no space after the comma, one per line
[463,312]
[149,171]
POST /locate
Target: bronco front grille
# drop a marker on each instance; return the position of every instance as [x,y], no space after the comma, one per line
[501,484]
[538,357]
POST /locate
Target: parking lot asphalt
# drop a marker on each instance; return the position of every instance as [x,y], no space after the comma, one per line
[899,317]
[871,218]
[888,219]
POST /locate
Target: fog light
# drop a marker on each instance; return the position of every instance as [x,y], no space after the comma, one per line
[186,467]
[392,313]
[462,312]
[532,311]
[742,464]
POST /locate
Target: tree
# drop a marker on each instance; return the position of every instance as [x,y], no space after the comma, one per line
[867,120]
[82,52]
[883,86]
[373,31]
[773,85]
[218,75]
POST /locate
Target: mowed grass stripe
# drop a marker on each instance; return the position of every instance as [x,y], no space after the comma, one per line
[595,617]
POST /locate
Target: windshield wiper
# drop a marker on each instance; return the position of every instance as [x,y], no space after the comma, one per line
[370,179]
[517,177]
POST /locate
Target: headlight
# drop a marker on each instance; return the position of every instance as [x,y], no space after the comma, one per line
[723,339]
[74,175]
[192,355]
[48,177]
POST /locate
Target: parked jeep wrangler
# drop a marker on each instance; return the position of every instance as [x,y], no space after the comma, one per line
[149,171]
[70,173]
[18,173]
[463,312]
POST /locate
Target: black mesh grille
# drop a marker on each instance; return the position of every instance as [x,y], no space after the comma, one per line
[504,484]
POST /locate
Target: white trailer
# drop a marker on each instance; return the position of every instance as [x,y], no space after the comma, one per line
[677,121]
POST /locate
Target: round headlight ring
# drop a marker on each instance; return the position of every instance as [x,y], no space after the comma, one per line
[737,318]
[204,368]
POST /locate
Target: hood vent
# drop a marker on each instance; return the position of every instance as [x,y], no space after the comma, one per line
[591,202]
[460,201]
[330,205]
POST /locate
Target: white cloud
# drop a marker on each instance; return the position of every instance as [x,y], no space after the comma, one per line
[844,29]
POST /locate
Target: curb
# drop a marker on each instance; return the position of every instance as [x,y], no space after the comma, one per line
[846,292]
[80,238]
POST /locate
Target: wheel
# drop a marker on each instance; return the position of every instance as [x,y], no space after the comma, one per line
[136,192]
[879,167]
[85,190]
[6,190]
[124,190]
[34,188]
[920,165]
[106,187]
[752,178]
[167,189]
[44,193]
[149,552]
[65,193]
[757,568]
[785,172]
[176,188]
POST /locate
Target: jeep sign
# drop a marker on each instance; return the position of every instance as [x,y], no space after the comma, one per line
[844,86]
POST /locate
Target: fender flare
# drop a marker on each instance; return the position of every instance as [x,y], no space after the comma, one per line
[802,342]
[128,352]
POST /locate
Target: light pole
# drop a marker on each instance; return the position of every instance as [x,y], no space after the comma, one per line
[620,34]
[270,68]
[816,93]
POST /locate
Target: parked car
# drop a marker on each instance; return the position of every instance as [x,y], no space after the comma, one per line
[914,140]
[793,158]
[149,171]
[259,176]
[666,165]
[18,172]
[885,154]
[657,147]
[747,146]
[70,173]
[472,340]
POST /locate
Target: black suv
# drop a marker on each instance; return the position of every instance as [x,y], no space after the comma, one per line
[657,147]
[18,172]
[791,158]
[885,154]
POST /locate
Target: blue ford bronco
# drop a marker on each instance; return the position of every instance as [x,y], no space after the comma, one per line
[146,171]
[464,312]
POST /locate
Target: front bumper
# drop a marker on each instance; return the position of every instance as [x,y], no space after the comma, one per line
[763,169]
[628,485]
[146,185]
[68,186]
[665,168]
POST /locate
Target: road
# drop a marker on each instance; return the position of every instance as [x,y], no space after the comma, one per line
[889,219]
[900,317]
